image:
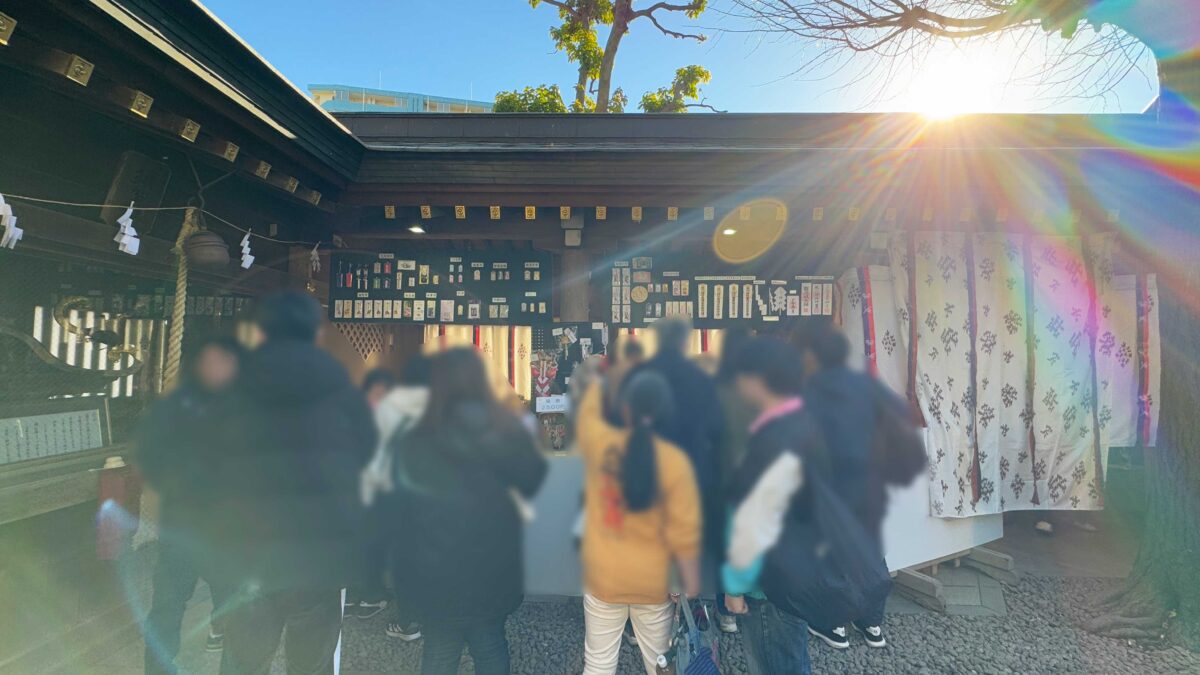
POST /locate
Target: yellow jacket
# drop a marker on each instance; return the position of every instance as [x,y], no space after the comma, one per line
[627,556]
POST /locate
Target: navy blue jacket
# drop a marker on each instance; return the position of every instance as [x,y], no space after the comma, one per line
[843,401]
[697,425]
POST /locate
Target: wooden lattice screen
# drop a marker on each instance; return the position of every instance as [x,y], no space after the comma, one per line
[366,339]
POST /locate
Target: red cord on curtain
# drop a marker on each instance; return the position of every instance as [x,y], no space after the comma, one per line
[512,356]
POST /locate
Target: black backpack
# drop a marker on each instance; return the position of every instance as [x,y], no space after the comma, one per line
[825,568]
[899,445]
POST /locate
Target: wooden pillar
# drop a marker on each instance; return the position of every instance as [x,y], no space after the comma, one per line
[573,286]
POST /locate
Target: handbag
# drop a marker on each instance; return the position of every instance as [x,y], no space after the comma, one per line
[694,652]
[825,568]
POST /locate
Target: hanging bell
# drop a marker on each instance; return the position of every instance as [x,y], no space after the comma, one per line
[206,249]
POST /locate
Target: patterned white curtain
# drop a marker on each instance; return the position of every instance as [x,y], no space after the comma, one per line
[1002,412]
[1020,409]
[870,319]
[1063,447]
[945,362]
[1128,356]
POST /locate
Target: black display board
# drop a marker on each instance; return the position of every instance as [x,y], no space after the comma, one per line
[640,290]
[30,281]
[468,287]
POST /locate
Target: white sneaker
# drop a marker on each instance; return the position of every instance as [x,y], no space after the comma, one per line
[727,623]
[872,634]
[835,638]
[367,610]
[406,632]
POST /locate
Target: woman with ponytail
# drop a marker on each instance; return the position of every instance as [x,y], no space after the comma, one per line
[643,513]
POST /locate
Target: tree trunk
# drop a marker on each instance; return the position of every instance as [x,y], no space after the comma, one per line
[1165,573]
[1162,594]
[620,24]
[1170,552]
[581,89]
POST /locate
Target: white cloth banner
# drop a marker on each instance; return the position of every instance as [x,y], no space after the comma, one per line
[1128,393]
[945,387]
[1002,412]
[1063,447]
[875,331]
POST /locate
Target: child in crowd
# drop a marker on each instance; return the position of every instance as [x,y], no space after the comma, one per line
[643,512]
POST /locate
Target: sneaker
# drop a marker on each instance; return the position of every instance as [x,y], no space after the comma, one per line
[214,643]
[366,610]
[629,635]
[404,631]
[727,623]
[835,638]
[872,634]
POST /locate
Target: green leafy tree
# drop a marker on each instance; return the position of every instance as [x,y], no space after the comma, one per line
[674,99]
[577,36]
[625,14]
[542,99]
[616,104]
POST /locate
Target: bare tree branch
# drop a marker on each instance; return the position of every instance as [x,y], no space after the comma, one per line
[690,7]
[702,104]
[668,31]
[1079,59]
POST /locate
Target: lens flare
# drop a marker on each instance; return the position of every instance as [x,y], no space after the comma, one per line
[750,230]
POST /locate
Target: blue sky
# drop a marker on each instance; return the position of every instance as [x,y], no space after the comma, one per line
[474,48]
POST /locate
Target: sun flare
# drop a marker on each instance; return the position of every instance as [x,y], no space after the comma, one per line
[954,82]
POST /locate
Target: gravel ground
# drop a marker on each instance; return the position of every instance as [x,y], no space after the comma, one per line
[1037,636]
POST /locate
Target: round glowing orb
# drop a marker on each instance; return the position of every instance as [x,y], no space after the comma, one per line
[750,230]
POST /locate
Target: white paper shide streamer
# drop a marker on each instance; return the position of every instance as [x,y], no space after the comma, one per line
[247,258]
[314,259]
[11,233]
[127,237]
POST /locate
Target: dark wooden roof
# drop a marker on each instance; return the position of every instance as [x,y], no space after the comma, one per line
[581,160]
[196,33]
[193,65]
[390,132]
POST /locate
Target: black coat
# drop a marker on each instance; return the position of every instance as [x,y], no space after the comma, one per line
[794,433]
[456,532]
[174,442]
[285,502]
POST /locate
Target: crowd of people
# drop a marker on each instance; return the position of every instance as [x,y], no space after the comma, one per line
[301,499]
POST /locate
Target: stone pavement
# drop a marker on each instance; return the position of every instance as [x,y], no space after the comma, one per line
[968,592]
[1026,628]
[1037,636]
